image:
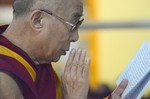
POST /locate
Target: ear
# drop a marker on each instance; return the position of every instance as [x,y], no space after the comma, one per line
[36,20]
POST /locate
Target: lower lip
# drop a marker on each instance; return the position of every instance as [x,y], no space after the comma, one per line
[64,53]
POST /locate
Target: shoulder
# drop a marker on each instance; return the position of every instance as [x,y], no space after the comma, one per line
[9,88]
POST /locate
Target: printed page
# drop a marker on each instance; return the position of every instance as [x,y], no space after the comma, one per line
[138,90]
[136,70]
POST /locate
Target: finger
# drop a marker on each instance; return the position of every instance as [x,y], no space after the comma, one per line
[81,63]
[75,61]
[69,61]
[119,90]
[77,56]
[75,64]
[86,68]
[82,58]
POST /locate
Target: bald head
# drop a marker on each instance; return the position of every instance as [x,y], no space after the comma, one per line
[22,7]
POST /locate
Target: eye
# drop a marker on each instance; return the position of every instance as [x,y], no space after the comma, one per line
[75,18]
[74,21]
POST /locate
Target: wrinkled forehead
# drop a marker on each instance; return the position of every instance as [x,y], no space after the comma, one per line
[70,8]
[64,8]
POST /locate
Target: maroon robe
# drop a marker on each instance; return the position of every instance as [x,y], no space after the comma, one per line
[44,85]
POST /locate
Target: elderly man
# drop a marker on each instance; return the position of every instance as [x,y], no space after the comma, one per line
[40,32]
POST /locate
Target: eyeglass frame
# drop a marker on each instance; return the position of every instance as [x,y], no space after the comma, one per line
[74,26]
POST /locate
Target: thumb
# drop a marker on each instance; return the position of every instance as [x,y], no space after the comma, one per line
[121,87]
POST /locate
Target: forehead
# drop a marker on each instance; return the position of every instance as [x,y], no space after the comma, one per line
[70,8]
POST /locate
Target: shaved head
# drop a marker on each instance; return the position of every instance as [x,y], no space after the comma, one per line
[68,9]
[22,7]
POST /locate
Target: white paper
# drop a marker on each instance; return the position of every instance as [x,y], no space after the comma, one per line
[138,73]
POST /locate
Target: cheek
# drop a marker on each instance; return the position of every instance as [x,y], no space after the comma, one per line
[56,42]
[62,36]
[57,35]
[61,42]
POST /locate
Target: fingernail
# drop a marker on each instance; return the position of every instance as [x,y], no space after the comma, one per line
[79,49]
[73,51]
[88,61]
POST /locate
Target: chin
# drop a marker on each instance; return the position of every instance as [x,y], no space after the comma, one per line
[56,59]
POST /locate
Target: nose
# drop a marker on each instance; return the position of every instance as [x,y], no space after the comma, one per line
[74,36]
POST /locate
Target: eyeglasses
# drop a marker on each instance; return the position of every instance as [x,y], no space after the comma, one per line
[74,27]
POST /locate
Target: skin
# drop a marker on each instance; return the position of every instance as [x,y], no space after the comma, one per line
[51,39]
[75,77]
[116,94]
[8,87]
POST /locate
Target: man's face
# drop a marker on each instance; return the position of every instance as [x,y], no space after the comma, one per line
[57,35]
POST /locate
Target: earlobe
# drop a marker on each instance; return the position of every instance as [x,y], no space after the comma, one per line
[36,20]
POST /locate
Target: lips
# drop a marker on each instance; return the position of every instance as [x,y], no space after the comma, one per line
[63,52]
[67,49]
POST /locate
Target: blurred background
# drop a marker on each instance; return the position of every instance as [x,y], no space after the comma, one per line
[112,33]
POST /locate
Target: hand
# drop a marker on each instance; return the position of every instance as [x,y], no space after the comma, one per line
[116,94]
[75,77]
